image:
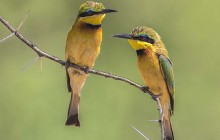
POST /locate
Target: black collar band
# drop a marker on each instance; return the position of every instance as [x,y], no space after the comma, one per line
[140,52]
[93,26]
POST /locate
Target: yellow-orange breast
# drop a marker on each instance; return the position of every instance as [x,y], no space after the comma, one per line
[150,71]
[83,44]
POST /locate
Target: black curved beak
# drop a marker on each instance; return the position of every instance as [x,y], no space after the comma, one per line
[125,36]
[104,11]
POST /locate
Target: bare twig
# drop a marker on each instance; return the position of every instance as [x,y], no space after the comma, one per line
[41,53]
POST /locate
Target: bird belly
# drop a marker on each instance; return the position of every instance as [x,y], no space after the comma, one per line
[87,55]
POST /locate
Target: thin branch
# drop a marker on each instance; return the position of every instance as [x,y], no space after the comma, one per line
[41,53]
[162,127]
[63,63]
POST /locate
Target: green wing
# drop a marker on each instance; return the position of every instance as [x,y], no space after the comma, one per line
[167,70]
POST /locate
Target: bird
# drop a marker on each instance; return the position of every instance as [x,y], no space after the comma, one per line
[156,70]
[82,48]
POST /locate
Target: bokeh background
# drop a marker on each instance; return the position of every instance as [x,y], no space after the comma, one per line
[33,104]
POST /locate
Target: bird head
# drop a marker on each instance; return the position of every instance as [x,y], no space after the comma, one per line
[92,12]
[141,38]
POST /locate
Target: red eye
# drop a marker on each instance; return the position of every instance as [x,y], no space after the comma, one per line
[143,38]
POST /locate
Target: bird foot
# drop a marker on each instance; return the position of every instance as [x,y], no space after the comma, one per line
[86,70]
[147,90]
[67,64]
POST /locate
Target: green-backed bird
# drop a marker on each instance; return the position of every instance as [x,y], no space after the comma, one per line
[82,48]
[156,70]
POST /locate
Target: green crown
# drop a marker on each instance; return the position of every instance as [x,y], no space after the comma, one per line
[90,5]
[145,31]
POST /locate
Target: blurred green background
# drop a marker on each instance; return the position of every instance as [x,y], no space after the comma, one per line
[33,104]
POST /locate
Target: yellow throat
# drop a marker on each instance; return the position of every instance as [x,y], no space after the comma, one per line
[94,20]
[138,45]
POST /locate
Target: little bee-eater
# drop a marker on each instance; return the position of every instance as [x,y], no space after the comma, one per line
[156,70]
[82,47]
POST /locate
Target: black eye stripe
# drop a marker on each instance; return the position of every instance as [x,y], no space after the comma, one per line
[88,13]
[150,40]
[145,38]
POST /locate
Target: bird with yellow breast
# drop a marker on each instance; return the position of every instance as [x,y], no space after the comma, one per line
[156,70]
[82,48]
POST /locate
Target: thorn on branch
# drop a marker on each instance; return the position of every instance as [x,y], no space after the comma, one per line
[154,121]
[146,138]
[7,37]
[22,22]
[30,63]
[15,32]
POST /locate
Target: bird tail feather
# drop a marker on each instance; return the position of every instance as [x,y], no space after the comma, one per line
[73,112]
[168,132]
